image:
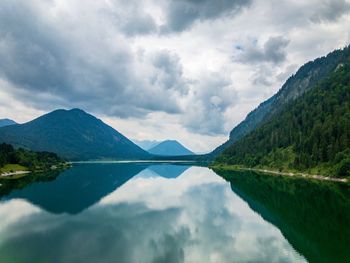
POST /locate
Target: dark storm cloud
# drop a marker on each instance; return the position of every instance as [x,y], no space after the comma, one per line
[273,51]
[31,55]
[182,14]
[131,17]
[170,74]
[261,79]
[330,10]
[59,61]
[288,15]
[139,26]
[213,95]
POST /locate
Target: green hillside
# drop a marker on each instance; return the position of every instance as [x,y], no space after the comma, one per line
[72,135]
[12,160]
[311,133]
[298,84]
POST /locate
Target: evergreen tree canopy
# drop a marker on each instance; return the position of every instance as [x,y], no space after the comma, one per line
[310,133]
[29,159]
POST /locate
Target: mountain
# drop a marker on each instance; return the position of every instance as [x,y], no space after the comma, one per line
[73,135]
[305,79]
[310,133]
[6,122]
[146,144]
[170,148]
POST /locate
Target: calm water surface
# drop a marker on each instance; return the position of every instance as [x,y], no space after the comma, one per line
[171,213]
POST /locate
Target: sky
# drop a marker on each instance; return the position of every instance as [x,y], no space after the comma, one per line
[188,70]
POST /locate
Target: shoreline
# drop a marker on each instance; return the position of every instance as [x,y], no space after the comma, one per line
[274,172]
[14,173]
[131,161]
[24,172]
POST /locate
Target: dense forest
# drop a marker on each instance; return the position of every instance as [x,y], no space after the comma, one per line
[33,161]
[309,134]
[305,79]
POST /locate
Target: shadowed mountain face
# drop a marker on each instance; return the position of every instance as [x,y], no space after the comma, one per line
[74,135]
[313,216]
[78,188]
[170,148]
[6,122]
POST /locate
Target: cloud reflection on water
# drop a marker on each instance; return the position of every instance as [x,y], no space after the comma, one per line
[194,217]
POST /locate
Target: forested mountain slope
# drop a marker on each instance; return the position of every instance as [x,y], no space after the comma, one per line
[305,79]
[311,133]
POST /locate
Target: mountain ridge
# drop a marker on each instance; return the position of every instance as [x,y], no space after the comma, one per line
[6,122]
[146,144]
[74,135]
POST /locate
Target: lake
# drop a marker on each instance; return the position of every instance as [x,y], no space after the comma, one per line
[142,212]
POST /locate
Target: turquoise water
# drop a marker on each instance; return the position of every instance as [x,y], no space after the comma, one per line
[150,213]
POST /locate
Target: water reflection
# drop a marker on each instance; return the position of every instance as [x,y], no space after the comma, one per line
[78,188]
[168,171]
[312,215]
[191,217]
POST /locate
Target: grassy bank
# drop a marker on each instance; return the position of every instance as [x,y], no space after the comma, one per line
[16,171]
[16,163]
[10,168]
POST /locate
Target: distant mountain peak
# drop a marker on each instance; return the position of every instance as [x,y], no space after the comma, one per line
[170,141]
[69,111]
[170,148]
[146,144]
[77,110]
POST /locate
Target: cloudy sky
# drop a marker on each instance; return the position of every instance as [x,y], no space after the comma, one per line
[160,69]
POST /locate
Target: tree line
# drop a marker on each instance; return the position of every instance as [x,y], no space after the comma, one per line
[30,159]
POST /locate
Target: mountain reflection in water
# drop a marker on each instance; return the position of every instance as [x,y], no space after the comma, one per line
[154,213]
